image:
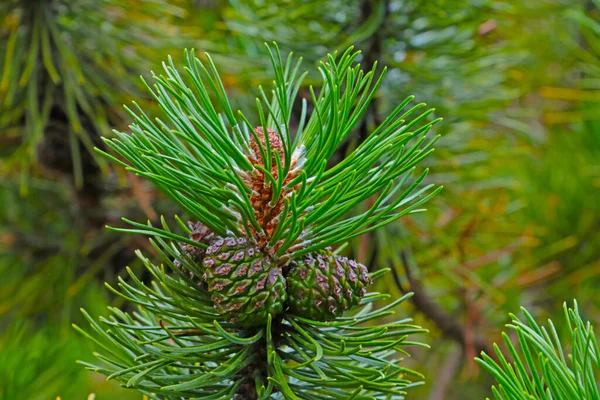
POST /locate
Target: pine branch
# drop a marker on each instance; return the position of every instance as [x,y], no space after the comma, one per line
[255,304]
[175,345]
[55,93]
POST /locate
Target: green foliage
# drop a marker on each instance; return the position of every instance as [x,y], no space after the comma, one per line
[42,253]
[545,367]
[37,364]
[586,48]
[28,377]
[445,50]
[176,346]
[65,66]
[201,162]
[42,260]
[518,224]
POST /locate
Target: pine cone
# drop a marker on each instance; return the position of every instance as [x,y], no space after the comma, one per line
[323,285]
[262,192]
[245,285]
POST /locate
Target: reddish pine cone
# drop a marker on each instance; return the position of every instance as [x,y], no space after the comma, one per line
[323,285]
[244,284]
[262,192]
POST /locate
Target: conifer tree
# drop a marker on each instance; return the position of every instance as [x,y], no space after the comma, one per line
[252,301]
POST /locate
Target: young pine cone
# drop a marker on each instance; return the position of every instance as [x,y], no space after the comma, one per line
[244,284]
[323,285]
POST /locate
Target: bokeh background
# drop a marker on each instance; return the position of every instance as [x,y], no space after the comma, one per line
[518,223]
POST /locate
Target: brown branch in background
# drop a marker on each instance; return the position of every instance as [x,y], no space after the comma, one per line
[446,376]
[448,325]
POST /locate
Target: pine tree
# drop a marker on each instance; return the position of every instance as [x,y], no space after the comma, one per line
[253,301]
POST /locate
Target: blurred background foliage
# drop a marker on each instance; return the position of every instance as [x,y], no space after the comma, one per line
[518,223]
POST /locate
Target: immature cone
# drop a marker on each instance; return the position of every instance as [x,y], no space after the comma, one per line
[323,285]
[265,208]
[244,284]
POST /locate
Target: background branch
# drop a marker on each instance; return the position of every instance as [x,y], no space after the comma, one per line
[448,324]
